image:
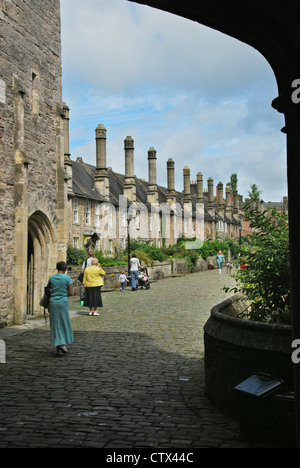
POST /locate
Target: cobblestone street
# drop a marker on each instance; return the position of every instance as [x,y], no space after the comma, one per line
[133,378]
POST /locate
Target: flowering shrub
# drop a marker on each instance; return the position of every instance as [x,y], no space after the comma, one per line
[264,276]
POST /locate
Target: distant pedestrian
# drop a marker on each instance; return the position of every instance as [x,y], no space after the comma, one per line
[220,260]
[93,281]
[134,271]
[60,286]
[123,278]
[88,262]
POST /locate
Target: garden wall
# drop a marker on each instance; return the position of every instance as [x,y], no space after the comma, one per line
[156,272]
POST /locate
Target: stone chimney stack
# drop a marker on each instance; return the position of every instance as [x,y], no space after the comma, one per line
[186,184]
[171,198]
[210,205]
[187,202]
[235,203]
[228,209]
[129,186]
[152,194]
[200,188]
[101,176]
[220,200]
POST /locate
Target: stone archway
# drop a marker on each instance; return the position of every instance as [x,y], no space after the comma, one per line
[271,27]
[41,257]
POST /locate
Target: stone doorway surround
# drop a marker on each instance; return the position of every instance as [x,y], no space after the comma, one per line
[37,264]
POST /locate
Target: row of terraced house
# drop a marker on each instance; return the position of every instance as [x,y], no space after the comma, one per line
[104,204]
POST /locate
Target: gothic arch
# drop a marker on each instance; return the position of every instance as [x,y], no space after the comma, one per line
[41,255]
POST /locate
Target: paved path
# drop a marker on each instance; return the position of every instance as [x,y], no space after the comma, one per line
[133,378]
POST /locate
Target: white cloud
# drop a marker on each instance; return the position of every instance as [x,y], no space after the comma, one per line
[196,95]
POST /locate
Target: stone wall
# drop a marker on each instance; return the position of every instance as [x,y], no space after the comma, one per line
[30,164]
[237,348]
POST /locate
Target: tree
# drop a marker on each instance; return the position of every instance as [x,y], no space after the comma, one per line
[254,193]
[265,276]
[233,182]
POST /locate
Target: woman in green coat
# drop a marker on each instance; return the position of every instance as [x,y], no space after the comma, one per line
[60,289]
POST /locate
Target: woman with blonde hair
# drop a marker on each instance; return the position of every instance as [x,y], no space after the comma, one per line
[220,260]
[93,282]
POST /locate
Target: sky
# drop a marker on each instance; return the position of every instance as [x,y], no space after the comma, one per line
[194,94]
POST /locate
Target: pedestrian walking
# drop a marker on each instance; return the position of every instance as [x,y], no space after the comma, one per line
[134,271]
[60,287]
[88,261]
[86,264]
[93,282]
[123,278]
[220,260]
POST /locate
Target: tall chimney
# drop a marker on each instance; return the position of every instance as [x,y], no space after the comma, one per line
[210,205]
[186,184]
[101,176]
[235,203]
[228,209]
[187,202]
[200,187]
[220,200]
[152,194]
[129,186]
[171,181]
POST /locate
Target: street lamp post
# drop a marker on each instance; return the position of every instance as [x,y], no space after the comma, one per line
[129,218]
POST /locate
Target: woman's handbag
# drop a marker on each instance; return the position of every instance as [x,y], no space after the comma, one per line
[80,277]
[44,302]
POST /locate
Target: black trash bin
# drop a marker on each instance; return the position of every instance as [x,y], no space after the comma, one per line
[255,399]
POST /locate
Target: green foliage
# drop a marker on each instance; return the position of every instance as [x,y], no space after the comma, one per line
[265,279]
[233,182]
[75,256]
[254,193]
[148,253]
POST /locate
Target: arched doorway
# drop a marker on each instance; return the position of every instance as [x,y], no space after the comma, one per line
[41,255]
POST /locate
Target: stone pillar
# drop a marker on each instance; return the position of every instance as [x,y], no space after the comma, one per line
[152,194]
[171,184]
[129,186]
[210,205]
[101,176]
[20,208]
[291,112]
[62,213]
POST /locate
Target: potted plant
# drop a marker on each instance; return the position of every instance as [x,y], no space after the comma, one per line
[251,331]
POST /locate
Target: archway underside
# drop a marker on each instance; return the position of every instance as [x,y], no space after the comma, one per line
[272,28]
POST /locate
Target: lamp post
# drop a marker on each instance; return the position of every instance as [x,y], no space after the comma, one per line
[129,218]
[240,232]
